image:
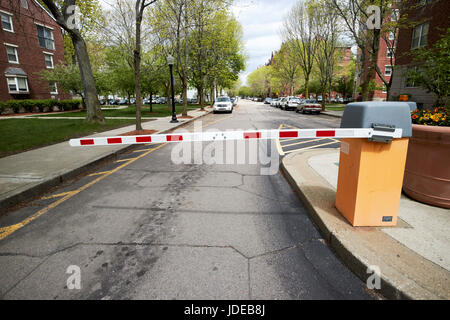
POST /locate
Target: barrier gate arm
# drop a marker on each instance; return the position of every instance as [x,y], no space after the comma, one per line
[375,134]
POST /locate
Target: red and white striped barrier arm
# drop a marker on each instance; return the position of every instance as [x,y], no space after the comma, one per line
[234,135]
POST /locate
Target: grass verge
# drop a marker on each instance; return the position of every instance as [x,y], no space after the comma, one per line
[159,110]
[20,135]
[335,107]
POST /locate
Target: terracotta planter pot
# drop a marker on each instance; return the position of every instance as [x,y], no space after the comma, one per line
[427,173]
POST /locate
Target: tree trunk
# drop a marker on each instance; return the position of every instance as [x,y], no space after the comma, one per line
[323,100]
[306,87]
[137,65]
[151,101]
[93,109]
[184,85]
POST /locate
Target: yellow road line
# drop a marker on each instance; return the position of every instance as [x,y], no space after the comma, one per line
[311,147]
[6,231]
[56,195]
[301,142]
[279,148]
[124,160]
[98,173]
[141,150]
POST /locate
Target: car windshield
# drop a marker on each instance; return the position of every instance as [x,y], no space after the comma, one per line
[295,100]
[311,101]
[223,99]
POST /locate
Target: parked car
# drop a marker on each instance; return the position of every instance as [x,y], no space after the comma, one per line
[319,98]
[112,102]
[146,101]
[102,101]
[132,101]
[310,105]
[274,102]
[234,101]
[223,104]
[291,103]
[281,102]
[267,101]
[285,102]
[161,100]
[340,100]
[123,101]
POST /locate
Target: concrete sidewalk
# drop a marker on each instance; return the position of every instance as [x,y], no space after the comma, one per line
[413,257]
[25,175]
[331,113]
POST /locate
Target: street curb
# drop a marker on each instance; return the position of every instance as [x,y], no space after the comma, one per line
[355,256]
[331,115]
[35,191]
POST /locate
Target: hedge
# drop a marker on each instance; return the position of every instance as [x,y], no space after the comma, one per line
[32,105]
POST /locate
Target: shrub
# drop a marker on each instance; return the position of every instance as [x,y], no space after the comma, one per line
[29,105]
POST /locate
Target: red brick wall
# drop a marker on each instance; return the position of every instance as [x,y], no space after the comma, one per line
[31,56]
[436,13]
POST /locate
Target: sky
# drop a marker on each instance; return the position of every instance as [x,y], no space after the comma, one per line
[261,22]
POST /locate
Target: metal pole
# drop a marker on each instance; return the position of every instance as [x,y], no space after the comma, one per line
[174,114]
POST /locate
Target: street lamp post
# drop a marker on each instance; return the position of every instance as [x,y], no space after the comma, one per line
[170,62]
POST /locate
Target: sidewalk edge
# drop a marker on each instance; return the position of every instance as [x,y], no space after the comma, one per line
[36,190]
[352,260]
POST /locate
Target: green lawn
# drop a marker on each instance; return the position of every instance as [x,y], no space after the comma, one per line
[335,107]
[24,134]
[159,110]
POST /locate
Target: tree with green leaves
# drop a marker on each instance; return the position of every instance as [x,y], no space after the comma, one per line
[433,69]
[285,68]
[64,16]
[297,33]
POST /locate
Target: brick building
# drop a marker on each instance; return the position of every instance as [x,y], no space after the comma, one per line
[430,20]
[30,41]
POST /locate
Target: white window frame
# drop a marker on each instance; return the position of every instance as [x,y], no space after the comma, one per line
[56,87]
[419,44]
[17,84]
[388,67]
[391,35]
[53,36]
[10,15]
[406,80]
[391,51]
[16,52]
[395,14]
[51,56]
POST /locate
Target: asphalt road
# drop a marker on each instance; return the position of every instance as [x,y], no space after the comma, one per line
[146,227]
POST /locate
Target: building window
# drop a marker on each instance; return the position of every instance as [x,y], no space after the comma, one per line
[419,36]
[387,70]
[11,51]
[394,16]
[389,53]
[17,85]
[7,23]
[409,80]
[48,60]
[391,35]
[424,2]
[53,87]
[45,37]
[24,4]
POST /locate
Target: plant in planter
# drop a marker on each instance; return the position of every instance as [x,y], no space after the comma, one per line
[427,173]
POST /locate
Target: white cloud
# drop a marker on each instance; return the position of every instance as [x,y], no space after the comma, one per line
[261,21]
